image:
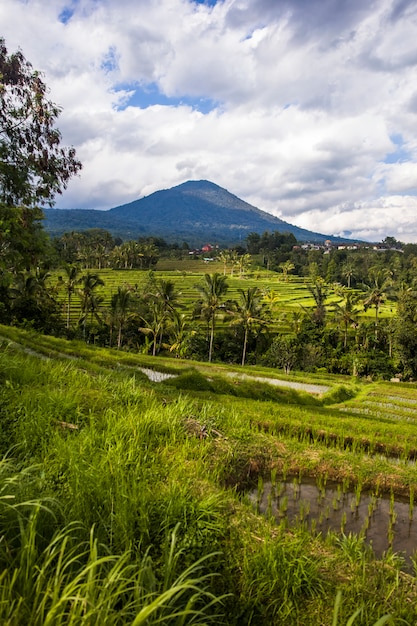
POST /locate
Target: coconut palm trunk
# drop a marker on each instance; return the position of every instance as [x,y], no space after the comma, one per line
[245,343]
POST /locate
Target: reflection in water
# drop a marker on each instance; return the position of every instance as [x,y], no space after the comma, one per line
[385,522]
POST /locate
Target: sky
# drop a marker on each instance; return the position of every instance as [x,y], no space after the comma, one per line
[306,109]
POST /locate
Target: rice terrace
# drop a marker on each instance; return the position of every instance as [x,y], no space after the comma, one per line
[140,489]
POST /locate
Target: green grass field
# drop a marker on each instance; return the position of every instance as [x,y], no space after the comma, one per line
[122,500]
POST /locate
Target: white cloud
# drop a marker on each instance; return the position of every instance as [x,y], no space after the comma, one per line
[369,221]
[398,177]
[309,96]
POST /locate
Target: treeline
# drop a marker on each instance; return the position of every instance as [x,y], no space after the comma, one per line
[97,248]
[279,252]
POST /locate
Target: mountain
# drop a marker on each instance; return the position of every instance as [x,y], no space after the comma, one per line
[196,211]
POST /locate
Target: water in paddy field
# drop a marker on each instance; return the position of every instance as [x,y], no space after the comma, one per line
[384,521]
[156,377]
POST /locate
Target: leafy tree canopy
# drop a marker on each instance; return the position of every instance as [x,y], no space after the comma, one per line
[22,241]
[33,165]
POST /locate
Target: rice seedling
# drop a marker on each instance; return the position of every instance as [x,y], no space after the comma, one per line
[339,492]
[304,510]
[283,506]
[365,525]
[384,619]
[279,489]
[295,489]
[358,492]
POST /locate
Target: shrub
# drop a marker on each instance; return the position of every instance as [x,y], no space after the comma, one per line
[339,393]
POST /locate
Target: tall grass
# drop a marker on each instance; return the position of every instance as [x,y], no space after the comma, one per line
[74,583]
[54,575]
[122,505]
[279,576]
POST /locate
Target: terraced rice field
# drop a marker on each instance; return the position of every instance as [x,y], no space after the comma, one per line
[288,297]
[135,457]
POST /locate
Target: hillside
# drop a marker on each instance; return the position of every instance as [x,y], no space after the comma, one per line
[196,211]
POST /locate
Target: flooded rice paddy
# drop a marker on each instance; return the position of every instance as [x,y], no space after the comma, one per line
[385,522]
[154,376]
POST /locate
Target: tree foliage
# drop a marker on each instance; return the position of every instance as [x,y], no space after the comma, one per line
[33,165]
[22,241]
[33,169]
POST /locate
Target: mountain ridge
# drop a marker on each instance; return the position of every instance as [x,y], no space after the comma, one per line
[196,211]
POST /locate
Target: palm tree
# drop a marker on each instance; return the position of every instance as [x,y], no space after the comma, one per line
[180,332]
[32,299]
[33,285]
[375,294]
[26,295]
[319,290]
[295,320]
[90,302]
[101,254]
[212,291]
[148,254]
[166,294]
[243,261]
[233,259]
[250,314]
[70,284]
[224,257]
[271,298]
[348,272]
[126,256]
[266,256]
[153,323]
[287,267]
[167,297]
[346,312]
[120,310]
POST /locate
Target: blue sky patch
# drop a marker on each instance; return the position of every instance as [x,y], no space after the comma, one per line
[65,15]
[400,154]
[110,62]
[149,95]
[209,3]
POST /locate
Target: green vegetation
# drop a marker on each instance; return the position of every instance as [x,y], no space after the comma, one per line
[293,318]
[124,496]
[34,167]
[123,500]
